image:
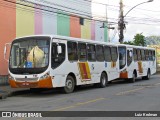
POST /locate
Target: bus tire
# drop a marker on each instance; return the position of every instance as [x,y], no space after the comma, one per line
[133,79]
[69,85]
[147,77]
[103,80]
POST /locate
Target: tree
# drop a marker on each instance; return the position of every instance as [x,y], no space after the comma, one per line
[139,40]
[153,40]
[129,43]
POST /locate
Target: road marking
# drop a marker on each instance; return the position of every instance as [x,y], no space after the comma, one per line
[64,108]
[79,104]
[58,99]
[129,91]
[91,101]
[157,84]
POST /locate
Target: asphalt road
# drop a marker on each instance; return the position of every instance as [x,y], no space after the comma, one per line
[143,95]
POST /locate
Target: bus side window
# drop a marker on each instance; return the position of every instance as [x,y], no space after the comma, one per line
[114,54]
[135,54]
[72,51]
[99,53]
[139,54]
[150,55]
[91,52]
[107,53]
[143,55]
[154,56]
[82,52]
[146,55]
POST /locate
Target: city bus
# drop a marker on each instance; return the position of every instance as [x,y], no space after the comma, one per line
[52,61]
[136,62]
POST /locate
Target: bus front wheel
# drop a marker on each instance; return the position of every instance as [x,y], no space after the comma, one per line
[103,80]
[69,85]
[133,79]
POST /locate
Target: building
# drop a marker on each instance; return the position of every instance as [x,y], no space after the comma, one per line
[75,18]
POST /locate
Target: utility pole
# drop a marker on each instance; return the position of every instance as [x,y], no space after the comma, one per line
[121,24]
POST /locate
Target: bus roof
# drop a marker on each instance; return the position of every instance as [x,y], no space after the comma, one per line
[84,40]
[69,39]
[133,46]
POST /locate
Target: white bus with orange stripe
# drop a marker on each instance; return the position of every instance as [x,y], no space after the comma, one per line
[136,61]
[57,61]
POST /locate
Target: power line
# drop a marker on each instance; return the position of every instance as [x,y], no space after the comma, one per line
[37,6]
[57,5]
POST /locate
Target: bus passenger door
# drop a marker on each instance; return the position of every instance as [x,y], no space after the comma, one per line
[122,62]
[122,57]
[130,65]
[114,63]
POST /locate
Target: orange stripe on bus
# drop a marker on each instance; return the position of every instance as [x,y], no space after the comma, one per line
[81,70]
[124,75]
[88,70]
[85,71]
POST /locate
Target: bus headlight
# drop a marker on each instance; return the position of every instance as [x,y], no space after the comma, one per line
[44,76]
[10,77]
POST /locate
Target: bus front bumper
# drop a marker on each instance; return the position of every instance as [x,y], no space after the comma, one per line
[44,83]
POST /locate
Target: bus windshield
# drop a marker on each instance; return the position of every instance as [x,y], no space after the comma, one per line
[29,55]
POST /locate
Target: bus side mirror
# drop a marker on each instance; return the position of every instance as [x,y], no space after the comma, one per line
[5,51]
[59,49]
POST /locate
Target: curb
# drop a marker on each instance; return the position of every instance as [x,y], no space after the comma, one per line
[9,93]
[4,94]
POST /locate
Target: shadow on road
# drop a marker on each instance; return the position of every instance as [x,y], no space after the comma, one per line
[58,91]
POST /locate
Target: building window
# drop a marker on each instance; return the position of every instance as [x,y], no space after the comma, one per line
[81,21]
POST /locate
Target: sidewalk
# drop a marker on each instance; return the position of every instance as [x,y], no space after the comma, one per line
[6,91]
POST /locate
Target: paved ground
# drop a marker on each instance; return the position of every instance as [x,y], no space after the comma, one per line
[143,95]
[6,91]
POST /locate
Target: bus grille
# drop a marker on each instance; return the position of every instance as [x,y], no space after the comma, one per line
[26,79]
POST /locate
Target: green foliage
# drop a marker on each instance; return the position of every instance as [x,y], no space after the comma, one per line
[139,40]
[153,40]
[129,43]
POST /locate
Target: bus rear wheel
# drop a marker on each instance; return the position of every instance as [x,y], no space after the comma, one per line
[69,85]
[147,77]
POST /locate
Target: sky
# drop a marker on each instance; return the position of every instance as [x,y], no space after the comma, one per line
[144,18]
